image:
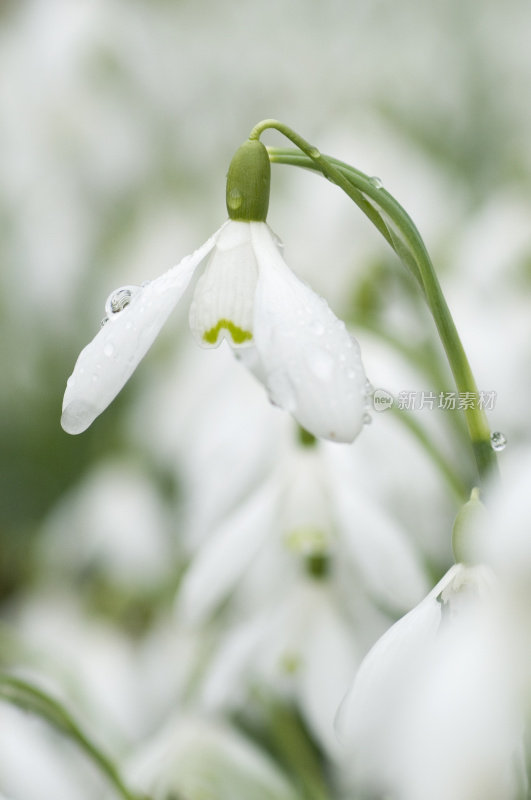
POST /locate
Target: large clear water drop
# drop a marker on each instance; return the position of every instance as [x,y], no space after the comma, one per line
[119,299]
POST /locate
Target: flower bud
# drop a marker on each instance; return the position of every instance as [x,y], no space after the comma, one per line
[248,181]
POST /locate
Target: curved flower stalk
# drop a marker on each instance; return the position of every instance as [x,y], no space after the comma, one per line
[308,361]
[432,710]
[397,228]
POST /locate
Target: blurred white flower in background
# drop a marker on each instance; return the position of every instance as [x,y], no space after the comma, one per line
[282,575]
[301,647]
[58,771]
[433,707]
[310,507]
[201,757]
[121,525]
[504,543]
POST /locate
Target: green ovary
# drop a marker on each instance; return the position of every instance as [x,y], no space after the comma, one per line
[237,334]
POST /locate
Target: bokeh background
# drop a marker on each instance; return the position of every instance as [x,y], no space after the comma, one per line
[117,123]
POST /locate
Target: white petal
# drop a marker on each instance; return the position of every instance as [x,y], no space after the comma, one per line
[466,702]
[306,515]
[108,362]
[328,662]
[231,669]
[222,306]
[312,364]
[250,358]
[385,683]
[197,757]
[226,554]
[387,562]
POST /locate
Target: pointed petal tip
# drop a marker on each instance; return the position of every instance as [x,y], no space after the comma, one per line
[77,417]
[312,364]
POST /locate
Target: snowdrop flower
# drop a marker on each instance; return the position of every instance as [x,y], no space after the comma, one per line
[307,510]
[308,361]
[431,711]
[201,757]
[300,646]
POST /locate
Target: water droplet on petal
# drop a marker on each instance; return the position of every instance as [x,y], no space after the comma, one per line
[104,321]
[498,440]
[376,182]
[119,299]
[108,350]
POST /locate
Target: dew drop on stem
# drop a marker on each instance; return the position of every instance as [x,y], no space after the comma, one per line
[498,441]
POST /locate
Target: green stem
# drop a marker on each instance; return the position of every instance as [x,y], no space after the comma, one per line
[29,698]
[315,163]
[400,232]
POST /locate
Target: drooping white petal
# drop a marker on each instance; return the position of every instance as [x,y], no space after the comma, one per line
[222,306]
[300,644]
[466,701]
[329,658]
[503,540]
[373,716]
[383,686]
[306,522]
[250,358]
[197,757]
[232,668]
[312,364]
[107,363]
[375,542]
[225,555]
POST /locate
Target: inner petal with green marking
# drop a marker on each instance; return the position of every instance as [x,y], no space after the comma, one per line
[223,302]
[238,335]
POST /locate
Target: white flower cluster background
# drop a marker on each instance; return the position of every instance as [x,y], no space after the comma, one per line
[227,607]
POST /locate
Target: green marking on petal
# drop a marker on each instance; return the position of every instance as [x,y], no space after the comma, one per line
[237,334]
